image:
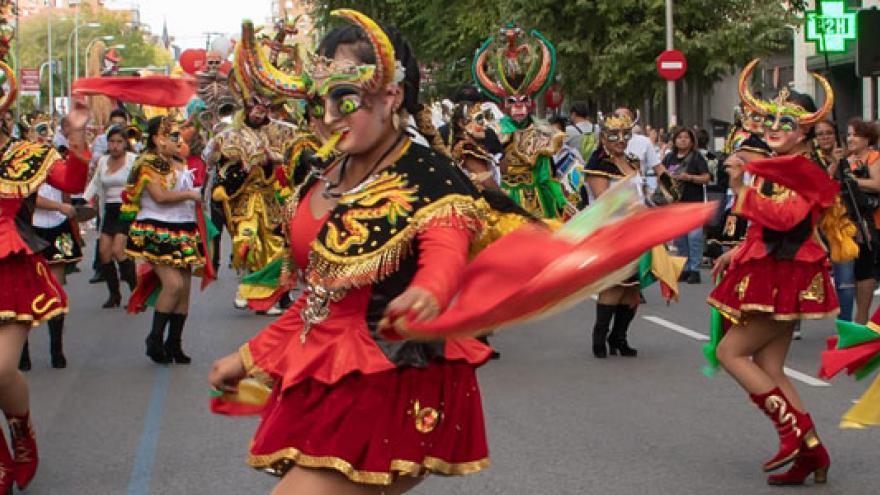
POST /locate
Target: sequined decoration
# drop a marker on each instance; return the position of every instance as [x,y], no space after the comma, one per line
[426,418]
[816,291]
[64,245]
[742,287]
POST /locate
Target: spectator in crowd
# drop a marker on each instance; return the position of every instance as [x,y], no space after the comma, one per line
[641,147]
[470,95]
[580,129]
[107,184]
[865,164]
[689,174]
[828,142]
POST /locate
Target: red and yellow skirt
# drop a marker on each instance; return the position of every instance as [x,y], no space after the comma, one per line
[786,289]
[28,292]
[171,243]
[377,427]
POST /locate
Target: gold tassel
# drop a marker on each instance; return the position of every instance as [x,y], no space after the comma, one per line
[840,231]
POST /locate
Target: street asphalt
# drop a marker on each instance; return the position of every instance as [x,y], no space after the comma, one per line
[559,421]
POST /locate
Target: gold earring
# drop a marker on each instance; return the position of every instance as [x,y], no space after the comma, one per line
[395,121]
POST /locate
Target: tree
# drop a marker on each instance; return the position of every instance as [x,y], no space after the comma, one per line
[606,48]
[33,41]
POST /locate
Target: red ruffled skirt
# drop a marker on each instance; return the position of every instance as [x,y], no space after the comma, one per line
[376,427]
[28,291]
[786,289]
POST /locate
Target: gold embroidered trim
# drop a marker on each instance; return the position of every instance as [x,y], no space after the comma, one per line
[816,291]
[192,260]
[333,271]
[251,368]
[278,463]
[742,287]
[7,316]
[14,159]
[737,315]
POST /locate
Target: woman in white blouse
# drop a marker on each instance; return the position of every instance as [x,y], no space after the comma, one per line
[108,182]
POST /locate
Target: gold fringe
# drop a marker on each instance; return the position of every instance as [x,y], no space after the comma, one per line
[278,463]
[335,272]
[7,316]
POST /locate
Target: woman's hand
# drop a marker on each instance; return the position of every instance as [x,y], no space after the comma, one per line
[226,373]
[419,304]
[194,195]
[722,263]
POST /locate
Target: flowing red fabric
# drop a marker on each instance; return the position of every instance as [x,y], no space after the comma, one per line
[208,274]
[147,282]
[851,359]
[530,271]
[157,91]
[799,174]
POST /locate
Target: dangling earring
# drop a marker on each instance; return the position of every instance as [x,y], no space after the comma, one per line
[395,121]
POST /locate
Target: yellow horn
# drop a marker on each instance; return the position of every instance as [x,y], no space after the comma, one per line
[382,47]
[820,114]
[745,91]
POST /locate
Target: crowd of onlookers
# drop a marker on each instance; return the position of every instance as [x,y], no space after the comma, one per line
[684,153]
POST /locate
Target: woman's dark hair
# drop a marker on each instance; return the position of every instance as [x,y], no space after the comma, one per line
[703,139]
[580,108]
[806,102]
[363,50]
[467,94]
[154,126]
[680,130]
[863,129]
[118,130]
[558,120]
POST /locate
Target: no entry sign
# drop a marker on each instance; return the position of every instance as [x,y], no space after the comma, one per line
[671,65]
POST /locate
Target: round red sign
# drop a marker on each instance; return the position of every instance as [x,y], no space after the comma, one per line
[672,65]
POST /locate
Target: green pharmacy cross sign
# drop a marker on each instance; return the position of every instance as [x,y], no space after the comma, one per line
[831,26]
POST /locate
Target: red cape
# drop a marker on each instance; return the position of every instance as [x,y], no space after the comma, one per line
[530,271]
[157,91]
[800,174]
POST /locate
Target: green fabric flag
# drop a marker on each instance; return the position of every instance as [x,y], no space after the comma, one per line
[852,334]
[268,276]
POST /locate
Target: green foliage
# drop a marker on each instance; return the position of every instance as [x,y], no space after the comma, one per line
[606,48]
[33,40]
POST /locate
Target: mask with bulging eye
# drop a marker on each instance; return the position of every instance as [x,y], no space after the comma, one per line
[476,120]
[780,122]
[341,101]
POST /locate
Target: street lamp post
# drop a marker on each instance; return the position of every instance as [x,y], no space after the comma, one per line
[51,67]
[75,35]
[670,85]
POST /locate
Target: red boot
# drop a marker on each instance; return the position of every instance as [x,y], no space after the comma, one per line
[812,460]
[24,448]
[7,466]
[791,425]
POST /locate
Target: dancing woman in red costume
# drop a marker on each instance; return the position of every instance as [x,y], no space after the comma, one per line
[383,230]
[29,294]
[779,274]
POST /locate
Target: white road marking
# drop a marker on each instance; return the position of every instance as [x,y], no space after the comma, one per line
[794,374]
[677,328]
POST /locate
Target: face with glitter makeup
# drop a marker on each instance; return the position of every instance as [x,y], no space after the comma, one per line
[783,133]
[361,118]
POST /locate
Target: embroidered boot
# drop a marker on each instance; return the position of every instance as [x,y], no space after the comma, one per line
[791,426]
[24,448]
[813,459]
